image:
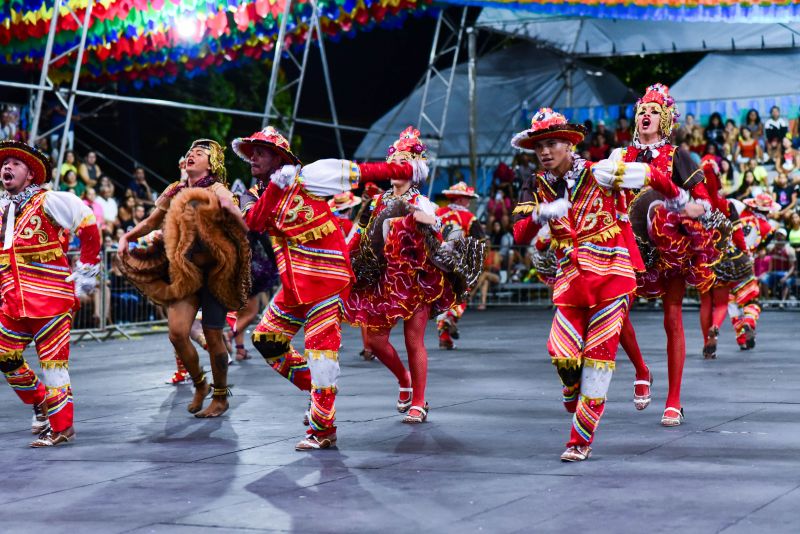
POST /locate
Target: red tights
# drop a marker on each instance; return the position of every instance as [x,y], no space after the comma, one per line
[713,308]
[414,333]
[627,339]
[676,342]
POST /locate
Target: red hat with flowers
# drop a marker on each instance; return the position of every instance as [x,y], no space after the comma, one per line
[37,161]
[658,94]
[548,124]
[460,189]
[407,147]
[343,201]
[268,137]
[762,202]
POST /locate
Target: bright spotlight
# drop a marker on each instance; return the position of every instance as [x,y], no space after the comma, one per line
[186,26]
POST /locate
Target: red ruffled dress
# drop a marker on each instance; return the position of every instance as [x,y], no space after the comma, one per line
[676,246]
[397,280]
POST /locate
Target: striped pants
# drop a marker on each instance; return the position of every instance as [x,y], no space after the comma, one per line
[317,369]
[583,347]
[51,338]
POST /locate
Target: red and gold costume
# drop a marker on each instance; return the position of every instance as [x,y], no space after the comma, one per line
[314,267]
[756,230]
[595,276]
[676,249]
[38,292]
[405,272]
[458,222]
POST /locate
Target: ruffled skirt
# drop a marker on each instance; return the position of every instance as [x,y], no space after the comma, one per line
[407,282]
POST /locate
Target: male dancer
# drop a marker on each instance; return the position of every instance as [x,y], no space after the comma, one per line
[37,288]
[595,277]
[457,223]
[205,239]
[314,267]
[679,249]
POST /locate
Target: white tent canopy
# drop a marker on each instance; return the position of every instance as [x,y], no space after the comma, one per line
[510,84]
[608,37]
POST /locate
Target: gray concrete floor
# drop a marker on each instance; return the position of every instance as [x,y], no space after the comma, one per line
[487,460]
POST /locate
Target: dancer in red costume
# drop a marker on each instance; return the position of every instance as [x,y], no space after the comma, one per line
[757,230]
[37,288]
[402,273]
[341,205]
[595,276]
[678,249]
[314,267]
[457,223]
[734,271]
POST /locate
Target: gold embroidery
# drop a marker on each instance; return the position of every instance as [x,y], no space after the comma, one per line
[299,206]
[592,218]
[29,232]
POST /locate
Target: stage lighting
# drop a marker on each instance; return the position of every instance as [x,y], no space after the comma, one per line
[186,26]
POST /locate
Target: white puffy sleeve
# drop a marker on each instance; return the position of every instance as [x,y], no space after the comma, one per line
[68,211]
[328,177]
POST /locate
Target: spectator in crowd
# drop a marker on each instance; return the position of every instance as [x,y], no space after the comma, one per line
[622,135]
[726,175]
[784,194]
[498,206]
[747,148]
[491,267]
[523,168]
[140,189]
[69,182]
[731,133]
[789,155]
[589,125]
[70,163]
[139,214]
[125,214]
[749,188]
[752,122]
[715,132]
[794,231]
[602,130]
[697,143]
[775,129]
[503,180]
[89,171]
[90,199]
[108,202]
[780,278]
[684,131]
[58,117]
[759,172]
[599,148]
[9,128]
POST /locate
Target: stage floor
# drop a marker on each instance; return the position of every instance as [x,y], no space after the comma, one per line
[487,459]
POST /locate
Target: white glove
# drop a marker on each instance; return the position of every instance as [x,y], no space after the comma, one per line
[420,171]
[549,211]
[85,278]
[284,176]
[679,202]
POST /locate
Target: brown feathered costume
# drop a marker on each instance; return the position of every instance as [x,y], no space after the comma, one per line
[195,227]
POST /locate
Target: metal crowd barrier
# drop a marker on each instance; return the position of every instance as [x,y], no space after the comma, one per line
[116,308]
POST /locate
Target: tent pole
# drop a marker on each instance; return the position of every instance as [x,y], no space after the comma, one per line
[43,79]
[276,63]
[326,72]
[76,74]
[473,105]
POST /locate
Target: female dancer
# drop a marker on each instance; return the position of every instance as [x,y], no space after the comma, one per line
[400,273]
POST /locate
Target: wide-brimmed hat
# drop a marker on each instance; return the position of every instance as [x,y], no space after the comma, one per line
[343,201]
[372,190]
[762,202]
[460,189]
[36,160]
[548,124]
[268,137]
